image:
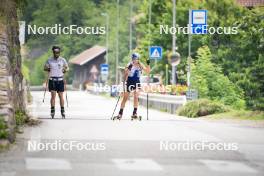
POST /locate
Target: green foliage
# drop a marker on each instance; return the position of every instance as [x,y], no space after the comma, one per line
[82,13]
[20,117]
[244,59]
[211,83]
[201,107]
[37,77]
[25,71]
[3,129]
[240,56]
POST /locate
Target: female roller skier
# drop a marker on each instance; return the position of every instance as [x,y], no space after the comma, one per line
[132,83]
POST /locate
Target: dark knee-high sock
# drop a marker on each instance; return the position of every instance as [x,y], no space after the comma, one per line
[121,111]
[52,109]
[135,111]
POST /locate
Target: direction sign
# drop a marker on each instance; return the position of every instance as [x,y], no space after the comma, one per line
[199,21]
[155,52]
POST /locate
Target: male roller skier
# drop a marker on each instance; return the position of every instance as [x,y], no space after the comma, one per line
[57,67]
[132,82]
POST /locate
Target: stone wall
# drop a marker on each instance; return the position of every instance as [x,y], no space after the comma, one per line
[12,97]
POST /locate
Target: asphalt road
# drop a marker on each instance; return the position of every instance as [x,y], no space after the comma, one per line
[88,143]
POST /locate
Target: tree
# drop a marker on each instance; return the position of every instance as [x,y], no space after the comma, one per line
[211,83]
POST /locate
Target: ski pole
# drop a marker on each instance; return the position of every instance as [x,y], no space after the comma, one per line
[46,85]
[125,77]
[115,107]
[148,62]
[65,87]
[147,106]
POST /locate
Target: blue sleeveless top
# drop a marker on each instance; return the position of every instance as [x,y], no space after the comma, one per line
[134,73]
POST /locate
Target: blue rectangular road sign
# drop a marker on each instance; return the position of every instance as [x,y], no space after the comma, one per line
[155,52]
[104,69]
[199,21]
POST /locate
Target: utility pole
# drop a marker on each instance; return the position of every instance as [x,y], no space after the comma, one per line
[117,39]
[107,34]
[174,69]
[130,25]
[149,21]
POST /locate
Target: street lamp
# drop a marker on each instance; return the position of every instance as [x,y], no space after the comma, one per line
[189,51]
[107,33]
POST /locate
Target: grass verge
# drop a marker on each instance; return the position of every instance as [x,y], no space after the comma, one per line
[238,115]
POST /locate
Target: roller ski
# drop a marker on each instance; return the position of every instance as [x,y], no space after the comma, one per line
[62,113]
[118,117]
[136,117]
[52,112]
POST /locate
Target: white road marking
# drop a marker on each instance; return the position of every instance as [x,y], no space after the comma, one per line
[228,166]
[47,164]
[35,136]
[7,173]
[137,164]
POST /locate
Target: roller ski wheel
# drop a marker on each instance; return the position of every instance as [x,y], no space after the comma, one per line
[135,117]
[118,117]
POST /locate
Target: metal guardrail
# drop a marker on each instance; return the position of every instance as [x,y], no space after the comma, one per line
[163,102]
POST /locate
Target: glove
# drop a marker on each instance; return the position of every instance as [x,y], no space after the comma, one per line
[148,62]
[129,67]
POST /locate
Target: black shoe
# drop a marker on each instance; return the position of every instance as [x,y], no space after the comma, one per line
[52,113]
[63,113]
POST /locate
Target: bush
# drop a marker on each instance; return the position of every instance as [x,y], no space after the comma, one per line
[3,129]
[21,117]
[201,107]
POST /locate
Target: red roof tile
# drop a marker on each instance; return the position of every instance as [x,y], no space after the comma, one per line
[88,55]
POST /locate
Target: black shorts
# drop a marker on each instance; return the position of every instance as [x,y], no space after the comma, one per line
[57,86]
[132,85]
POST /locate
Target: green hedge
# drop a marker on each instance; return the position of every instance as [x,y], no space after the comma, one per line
[201,107]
